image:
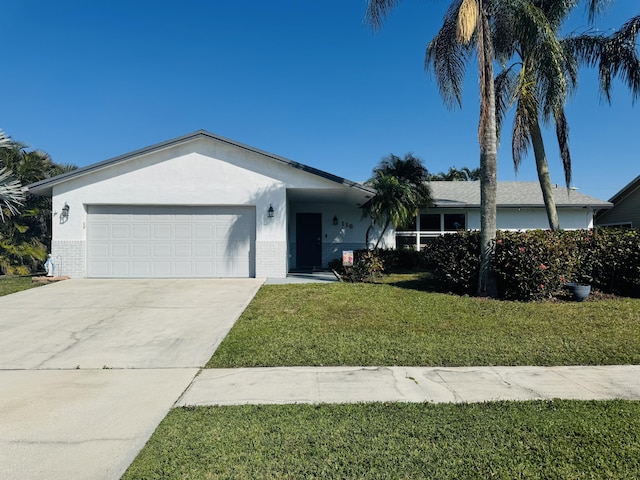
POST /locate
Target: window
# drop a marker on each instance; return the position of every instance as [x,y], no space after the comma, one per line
[454,222]
[427,225]
[430,222]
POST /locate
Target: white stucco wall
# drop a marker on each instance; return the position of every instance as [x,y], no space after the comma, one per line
[199,172]
[349,234]
[533,218]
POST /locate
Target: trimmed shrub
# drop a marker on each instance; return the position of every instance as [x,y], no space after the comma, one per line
[534,265]
[367,266]
[454,260]
[537,264]
[615,261]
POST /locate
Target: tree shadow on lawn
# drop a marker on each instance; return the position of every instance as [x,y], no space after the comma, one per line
[411,280]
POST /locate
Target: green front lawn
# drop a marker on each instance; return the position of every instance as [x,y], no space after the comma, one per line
[540,439]
[399,323]
[10,284]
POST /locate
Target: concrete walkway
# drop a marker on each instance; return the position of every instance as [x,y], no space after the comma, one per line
[287,385]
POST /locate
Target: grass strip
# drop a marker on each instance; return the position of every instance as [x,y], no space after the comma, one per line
[537,439]
[9,284]
[383,324]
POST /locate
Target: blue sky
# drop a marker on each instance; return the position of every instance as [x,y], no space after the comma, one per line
[307,80]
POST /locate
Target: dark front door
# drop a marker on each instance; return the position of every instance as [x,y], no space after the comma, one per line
[308,240]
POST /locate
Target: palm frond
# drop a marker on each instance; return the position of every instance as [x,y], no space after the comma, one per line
[595,8]
[377,11]
[505,86]
[526,114]
[467,21]
[11,193]
[562,133]
[619,58]
[5,140]
[447,58]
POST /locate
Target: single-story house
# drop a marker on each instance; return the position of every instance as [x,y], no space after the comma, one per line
[520,206]
[201,206]
[626,208]
[205,206]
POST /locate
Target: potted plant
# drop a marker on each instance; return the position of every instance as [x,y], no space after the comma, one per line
[579,290]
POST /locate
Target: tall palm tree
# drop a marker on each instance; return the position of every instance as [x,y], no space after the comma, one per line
[539,83]
[466,26]
[401,191]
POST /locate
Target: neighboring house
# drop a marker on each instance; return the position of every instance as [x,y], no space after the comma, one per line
[626,208]
[456,206]
[201,206]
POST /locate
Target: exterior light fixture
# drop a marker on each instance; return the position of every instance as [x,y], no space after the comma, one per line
[335,220]
[270,211]
[64,214]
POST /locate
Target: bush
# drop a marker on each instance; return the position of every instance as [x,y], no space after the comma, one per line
[534,265]
[615,261]
[402,260]
[367,266]
[537,264]
[454,260]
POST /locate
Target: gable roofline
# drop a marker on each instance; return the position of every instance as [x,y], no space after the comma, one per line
[45,187]
[627,190]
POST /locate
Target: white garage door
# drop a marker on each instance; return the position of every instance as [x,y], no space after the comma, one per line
[168,241]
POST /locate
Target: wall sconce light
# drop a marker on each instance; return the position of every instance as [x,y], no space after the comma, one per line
[335,220]
[64,214]
[270,212]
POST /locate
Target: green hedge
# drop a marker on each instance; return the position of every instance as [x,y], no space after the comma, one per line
[454,260]
[537,264]
[530,265]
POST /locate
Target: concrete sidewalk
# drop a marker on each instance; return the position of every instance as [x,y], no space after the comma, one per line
[287,385]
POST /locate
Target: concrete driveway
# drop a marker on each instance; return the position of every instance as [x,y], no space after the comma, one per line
[88,368]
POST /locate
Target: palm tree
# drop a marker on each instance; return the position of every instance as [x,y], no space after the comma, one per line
[540,82]
[25,236]
[447,55]
[465,174]
[466,26]
[401,191]
[11,193]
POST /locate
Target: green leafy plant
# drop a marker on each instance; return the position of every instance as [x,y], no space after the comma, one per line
[367,267]
[454,260]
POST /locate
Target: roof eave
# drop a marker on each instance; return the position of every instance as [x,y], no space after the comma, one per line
[45,187]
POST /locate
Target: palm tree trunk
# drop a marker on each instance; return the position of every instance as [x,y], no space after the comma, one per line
[543,175]
[488,155]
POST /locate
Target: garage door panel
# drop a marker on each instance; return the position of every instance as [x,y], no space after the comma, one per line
[141,231]
[161,269]
[120,250]
[183,231]
[120,269]
[139,241]
[162,231]
[141,250]
[141,269]
[162,249]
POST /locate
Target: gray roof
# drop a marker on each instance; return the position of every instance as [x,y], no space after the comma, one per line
[45,187]
[510,194]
